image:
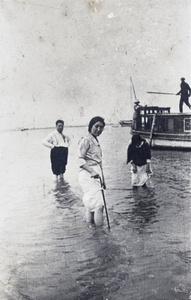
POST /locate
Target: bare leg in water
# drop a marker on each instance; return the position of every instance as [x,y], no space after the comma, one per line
[61,176]
[95,218]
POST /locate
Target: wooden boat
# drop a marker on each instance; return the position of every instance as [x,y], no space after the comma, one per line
[163,129]
[125,123]
[23,129]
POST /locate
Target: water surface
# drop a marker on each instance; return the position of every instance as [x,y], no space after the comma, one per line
[47,251]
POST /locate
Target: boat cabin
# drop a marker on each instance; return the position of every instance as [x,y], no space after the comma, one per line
[164,121]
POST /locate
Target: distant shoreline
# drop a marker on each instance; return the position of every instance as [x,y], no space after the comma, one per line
[51,128]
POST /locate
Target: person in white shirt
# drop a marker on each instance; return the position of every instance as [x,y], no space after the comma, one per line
[58,143]
[90,170]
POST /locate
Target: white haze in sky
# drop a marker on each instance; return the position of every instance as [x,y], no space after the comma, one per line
[72,59]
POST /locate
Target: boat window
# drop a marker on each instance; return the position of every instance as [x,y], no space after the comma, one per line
[160,124]
[178,124]
[147,123]
[187,124]
[171,124]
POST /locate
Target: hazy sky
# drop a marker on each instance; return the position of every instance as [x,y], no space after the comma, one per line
[72,59]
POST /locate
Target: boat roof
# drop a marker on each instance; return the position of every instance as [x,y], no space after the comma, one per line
[169,114]
[146,107]
[154,107]
[159,110]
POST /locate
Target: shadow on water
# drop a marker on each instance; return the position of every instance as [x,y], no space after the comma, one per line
[144,211]
[141,208]
[98,277]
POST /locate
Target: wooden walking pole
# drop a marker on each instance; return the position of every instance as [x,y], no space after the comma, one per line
[104,203]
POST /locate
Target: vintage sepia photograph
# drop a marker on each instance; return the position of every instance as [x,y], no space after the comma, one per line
[95,151]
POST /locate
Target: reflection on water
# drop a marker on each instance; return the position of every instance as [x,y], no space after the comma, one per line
[49,253]
[63,194]
[143,210]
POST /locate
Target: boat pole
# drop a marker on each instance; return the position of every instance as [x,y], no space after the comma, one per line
[152,129]
[160,93]
[133,88]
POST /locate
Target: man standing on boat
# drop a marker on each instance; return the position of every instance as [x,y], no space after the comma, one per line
[185,92]
[136,115]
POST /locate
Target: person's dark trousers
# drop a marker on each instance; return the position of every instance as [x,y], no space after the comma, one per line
[183,100]
[180,106]
[59,157]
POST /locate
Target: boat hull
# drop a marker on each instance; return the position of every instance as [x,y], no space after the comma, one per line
[167,141]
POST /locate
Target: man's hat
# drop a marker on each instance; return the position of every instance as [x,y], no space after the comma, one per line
[182,78]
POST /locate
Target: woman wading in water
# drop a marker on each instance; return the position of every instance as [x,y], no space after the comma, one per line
[139,156]
[90,163]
